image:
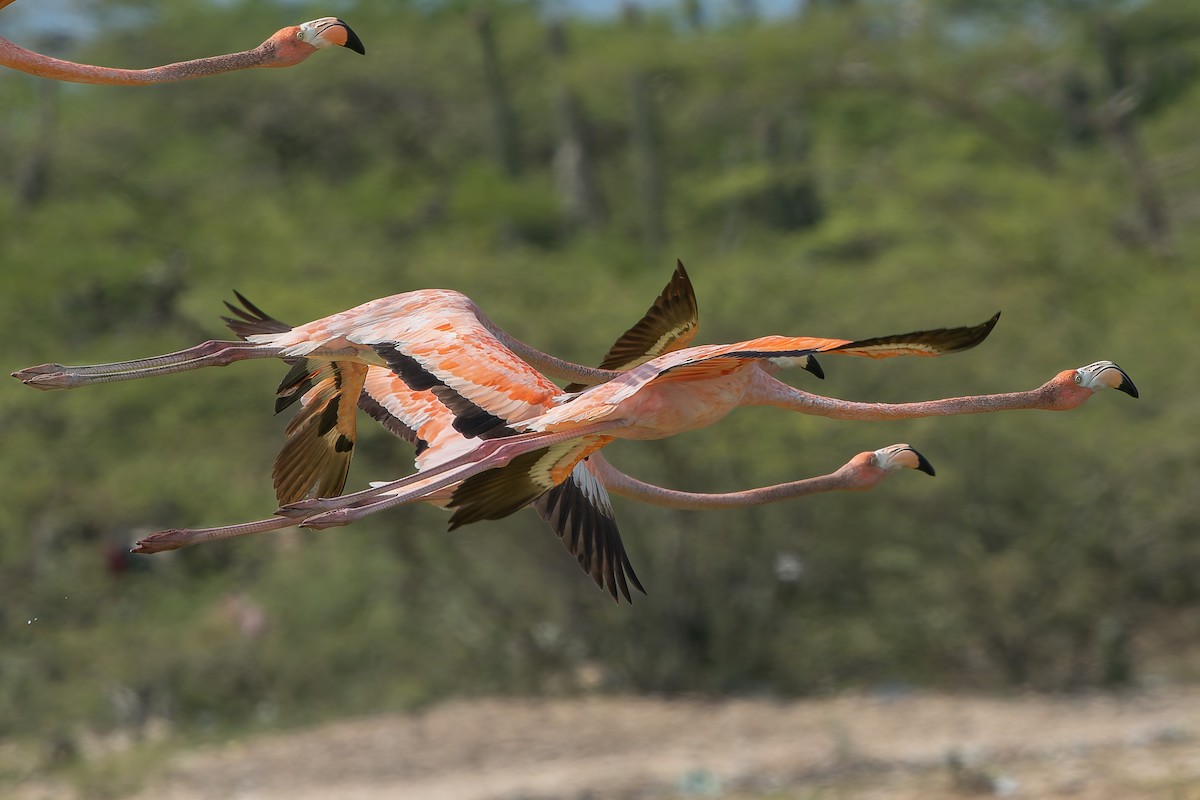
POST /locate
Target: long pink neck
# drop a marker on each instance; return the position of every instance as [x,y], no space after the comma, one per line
[544,362]
[18,58]
[619,483]
[1049,396]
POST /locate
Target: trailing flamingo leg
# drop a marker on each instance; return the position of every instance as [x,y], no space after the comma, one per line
[410,493]
[508,447]
[489,454]
[175,538]
[162,541]
[206,354]
[305,509]
[212,353]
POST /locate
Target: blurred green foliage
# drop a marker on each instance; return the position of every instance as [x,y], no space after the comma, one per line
[947,160]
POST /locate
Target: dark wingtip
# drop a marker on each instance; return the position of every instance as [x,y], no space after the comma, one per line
[812,365]
[977,334]
[352,40]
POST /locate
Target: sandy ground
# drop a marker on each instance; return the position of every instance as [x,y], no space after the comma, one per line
[911,746]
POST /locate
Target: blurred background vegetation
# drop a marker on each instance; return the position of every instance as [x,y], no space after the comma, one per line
[845,169]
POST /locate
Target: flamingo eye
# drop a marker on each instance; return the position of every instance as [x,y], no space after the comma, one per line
[1079,377]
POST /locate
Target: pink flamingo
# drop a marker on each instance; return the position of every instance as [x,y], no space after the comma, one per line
[287,47]
[321,438]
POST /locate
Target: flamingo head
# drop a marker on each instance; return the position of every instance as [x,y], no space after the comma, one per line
[295,43]
[868,469]
[1104,375]
[900,456]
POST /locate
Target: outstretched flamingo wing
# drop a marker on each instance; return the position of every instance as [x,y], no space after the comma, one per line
[569,496]
[939,342]
[433,339]
[708,361]
[416,415]
[579,511]
[669,324]
[319,441]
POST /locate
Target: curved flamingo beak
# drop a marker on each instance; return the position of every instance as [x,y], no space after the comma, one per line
[1105,375]
[811,364]
[330,32]
[897,456]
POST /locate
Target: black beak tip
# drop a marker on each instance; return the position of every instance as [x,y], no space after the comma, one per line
[1126,385]
[923,464]
[814,366]
[352,41]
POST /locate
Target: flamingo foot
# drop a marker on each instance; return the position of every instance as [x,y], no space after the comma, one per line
[45,377]
[162,541]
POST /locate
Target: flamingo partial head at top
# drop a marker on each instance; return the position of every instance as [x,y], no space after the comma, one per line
[293,44]
[286,47]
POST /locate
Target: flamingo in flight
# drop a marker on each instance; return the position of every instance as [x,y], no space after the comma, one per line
[287,47]
[320,439]
[316,453]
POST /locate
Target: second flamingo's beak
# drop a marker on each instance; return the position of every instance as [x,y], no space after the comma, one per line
[812,365]
[923,464]
[902,455]
[352,41]
[330,32]
[1124,384]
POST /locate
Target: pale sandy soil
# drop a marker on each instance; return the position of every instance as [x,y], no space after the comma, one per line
[1141,745]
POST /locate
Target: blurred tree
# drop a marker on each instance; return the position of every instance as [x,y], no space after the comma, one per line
[649,175]
[574,171]
[504,121]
